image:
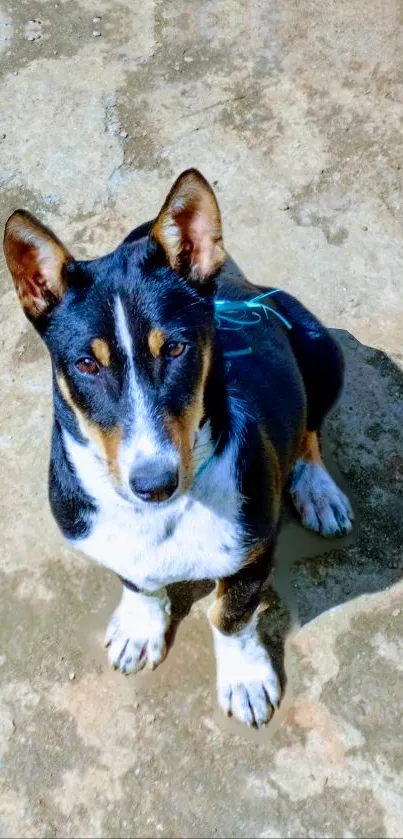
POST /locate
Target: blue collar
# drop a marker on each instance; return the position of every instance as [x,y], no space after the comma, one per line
[209,460]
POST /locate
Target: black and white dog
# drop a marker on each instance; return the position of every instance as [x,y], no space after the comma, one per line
[168,463]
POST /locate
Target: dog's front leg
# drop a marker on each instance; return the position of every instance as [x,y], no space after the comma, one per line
[247,685]
[137,629]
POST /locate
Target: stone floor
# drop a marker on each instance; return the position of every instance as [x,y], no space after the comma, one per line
[294,110]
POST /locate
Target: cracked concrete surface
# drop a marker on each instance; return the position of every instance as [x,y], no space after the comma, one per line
[294,111]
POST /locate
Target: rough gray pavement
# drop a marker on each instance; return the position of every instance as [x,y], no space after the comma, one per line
[294,110]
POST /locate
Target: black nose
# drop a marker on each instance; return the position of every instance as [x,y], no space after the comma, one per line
[153,480]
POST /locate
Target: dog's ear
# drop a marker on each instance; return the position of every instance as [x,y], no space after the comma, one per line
[36,260]
[188,228]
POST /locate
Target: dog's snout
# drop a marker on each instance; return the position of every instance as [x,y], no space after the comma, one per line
[154,480]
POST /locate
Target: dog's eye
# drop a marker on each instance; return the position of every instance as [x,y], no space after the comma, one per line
[88,366]
[173,349]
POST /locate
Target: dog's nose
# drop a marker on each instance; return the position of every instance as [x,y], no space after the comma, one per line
[153,480]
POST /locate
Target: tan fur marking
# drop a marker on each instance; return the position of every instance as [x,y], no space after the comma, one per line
[226,613]
[101,351]
[274,471]
[109,442]
[310,449]
[106,441]
[183,429]
[256,552]
[216,609]
[156,341]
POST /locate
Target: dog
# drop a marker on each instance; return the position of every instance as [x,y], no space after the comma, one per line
[175,431]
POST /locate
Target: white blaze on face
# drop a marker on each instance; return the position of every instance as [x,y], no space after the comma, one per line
[142,442]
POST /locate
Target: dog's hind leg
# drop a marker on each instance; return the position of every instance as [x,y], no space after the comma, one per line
[319,501]
[321,504]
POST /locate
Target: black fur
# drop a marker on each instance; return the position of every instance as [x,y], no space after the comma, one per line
[70,504]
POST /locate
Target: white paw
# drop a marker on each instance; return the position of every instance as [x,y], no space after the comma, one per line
[319,501]
[136,631]
[247,685]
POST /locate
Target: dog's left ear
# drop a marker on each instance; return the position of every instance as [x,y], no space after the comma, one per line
[188,228]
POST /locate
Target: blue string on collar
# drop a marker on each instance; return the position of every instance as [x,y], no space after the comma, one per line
[255,309]
[225,306]
[209,460]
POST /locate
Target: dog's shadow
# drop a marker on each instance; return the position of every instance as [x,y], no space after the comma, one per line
[363,449]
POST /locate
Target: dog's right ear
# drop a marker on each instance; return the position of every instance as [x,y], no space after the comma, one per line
[36,260]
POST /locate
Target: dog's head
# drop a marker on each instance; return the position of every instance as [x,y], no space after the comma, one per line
[130,335]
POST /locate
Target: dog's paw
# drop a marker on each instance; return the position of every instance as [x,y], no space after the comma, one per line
[252,697]
[247,685]
[136,632]
[319,501]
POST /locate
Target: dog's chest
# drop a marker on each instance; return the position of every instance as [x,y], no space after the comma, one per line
[195,537]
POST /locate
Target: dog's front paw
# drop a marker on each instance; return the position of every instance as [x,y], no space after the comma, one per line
[136,632]
[247,685]
[321,504]
[252,697]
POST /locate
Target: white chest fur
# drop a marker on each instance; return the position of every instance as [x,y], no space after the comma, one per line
[194,537]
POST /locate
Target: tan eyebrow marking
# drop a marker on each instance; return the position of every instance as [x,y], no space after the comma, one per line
[156,341]
[101,350]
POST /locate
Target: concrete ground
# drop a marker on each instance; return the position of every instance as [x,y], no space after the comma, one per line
[294,110]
